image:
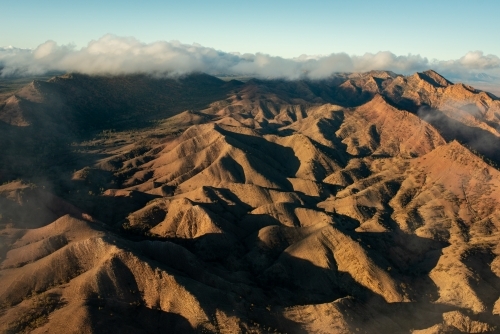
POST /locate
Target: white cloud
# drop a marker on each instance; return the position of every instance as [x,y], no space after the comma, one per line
[477,59]
[121,55]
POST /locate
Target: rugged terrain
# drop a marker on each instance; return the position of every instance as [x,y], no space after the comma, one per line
[362,203]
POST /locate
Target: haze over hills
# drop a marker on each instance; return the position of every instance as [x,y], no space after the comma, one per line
[362,202]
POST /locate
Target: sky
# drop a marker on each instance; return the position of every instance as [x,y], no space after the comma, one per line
[436,31]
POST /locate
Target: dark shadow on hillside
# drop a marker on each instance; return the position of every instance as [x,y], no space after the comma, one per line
[328,127]
[407,258]
[76,107]
[131,101]
[271,161]
[278,157]
[33,207]
[254,222]
[232,167]
[351,97]
[244,301]
[120,307]
[371,313]
[220,197]
[345,223]
[297,283]
[402,103]
[308,284]
[479,260]
[479,140]
[291,281]
[110,209]
[215,284]
[139,319]
[404,317]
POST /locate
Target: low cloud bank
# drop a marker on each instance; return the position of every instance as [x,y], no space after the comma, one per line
[123,55]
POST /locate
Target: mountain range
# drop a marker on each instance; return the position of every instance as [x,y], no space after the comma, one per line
[365,202]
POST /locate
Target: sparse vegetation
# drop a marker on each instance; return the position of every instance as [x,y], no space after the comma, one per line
[36,315]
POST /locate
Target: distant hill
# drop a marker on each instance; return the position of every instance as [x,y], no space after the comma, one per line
[53,114]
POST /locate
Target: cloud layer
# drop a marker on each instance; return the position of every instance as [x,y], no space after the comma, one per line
[122,55]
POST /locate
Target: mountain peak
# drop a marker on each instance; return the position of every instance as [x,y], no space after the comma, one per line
[378,100]
[434,78]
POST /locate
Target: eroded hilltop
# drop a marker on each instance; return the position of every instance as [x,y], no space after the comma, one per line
[362,203]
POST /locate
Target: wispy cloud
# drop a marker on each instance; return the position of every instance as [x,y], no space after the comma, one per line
[122,55]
